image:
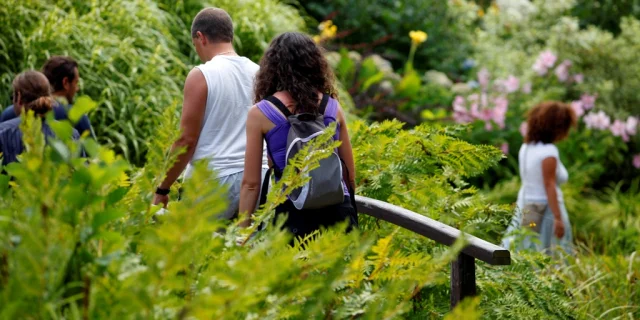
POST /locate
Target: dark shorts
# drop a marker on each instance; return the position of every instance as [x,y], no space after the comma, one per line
[304,222]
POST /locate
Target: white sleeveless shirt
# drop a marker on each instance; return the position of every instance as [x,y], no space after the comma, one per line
[223,137]
[530,164]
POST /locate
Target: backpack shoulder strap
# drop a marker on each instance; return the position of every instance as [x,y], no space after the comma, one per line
[323,103]
[276,102]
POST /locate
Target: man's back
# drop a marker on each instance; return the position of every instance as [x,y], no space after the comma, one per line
[230,95]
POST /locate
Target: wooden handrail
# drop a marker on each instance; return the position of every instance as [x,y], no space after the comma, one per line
[463,280]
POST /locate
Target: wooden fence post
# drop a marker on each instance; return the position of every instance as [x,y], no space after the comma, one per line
[463,278]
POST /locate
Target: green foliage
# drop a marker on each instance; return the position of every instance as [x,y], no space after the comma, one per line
[76,235]
[383,26]
[423,170]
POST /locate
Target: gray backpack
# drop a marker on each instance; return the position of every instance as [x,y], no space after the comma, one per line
[325,187]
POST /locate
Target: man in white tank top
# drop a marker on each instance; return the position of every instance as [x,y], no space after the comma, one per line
[217,97]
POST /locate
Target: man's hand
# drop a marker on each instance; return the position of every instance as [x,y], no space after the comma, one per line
[158,198]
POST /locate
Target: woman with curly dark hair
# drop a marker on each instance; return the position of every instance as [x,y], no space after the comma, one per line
[294,78]
[540,201]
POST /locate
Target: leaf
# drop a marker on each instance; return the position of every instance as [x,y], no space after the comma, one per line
[83,105]
[372,80]
[116,195]
[409,86]
[467,309]
[60,149]
[105,217]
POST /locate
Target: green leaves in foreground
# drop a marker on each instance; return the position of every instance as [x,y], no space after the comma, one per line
[78,239]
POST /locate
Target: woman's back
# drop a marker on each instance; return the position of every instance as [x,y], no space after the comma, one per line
[276,137]
[530,167]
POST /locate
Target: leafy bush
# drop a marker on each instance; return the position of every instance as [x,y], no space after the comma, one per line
[79,237]
[383,26]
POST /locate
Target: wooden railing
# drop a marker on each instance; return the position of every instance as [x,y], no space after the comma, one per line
[463,274]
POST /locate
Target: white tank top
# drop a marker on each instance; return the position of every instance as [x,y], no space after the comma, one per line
[531,156]
[222,139]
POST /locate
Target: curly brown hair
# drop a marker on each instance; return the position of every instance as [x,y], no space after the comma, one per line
[294,63]
[549,122]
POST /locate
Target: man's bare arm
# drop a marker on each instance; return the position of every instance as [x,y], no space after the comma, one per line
[195,99]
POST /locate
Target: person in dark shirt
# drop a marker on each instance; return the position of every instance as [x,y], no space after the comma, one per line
[63,76]
[31,91]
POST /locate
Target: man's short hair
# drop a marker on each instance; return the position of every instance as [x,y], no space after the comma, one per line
[213,23]
[57,68]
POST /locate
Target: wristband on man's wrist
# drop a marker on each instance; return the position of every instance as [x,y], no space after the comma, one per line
[162,192]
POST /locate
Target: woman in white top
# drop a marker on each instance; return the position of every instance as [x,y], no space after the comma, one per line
[542,172]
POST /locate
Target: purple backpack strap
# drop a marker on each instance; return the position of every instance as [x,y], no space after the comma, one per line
[331,111]
[271,113]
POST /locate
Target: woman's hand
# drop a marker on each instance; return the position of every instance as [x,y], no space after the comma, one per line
[558,228]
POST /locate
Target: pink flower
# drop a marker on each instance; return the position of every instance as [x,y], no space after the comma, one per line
[588,101]
[460,112]
[523,128]
[619,129]
[578,78]
[483,78]
[577,108]
[636,161]
[597,120]
[540,69]
[562,71]
[499,113]
[545,60]
[526,88]
[631,126]
[512,84]
[505,148]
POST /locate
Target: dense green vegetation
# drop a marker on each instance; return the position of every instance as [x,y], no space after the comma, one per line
[81,240]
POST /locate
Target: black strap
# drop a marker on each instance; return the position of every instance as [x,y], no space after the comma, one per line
[265,187]
[323,103]
[276,102]
[352,192]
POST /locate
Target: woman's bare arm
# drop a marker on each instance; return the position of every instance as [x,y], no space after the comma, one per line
[549,166]
[344,151]
[250,188]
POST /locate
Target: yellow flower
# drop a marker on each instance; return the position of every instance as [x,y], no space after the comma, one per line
[418,37]
[327,31]
[494,9]
[325,24]
[532,224]
[480,13]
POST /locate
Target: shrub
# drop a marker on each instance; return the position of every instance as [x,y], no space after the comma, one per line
[382,27]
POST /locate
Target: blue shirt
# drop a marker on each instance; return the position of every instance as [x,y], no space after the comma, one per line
[60,113]
[11,139]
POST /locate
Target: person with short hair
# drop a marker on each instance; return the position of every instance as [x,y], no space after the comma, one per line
[540,200]
[217,97]
[31,91]
[62,74]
